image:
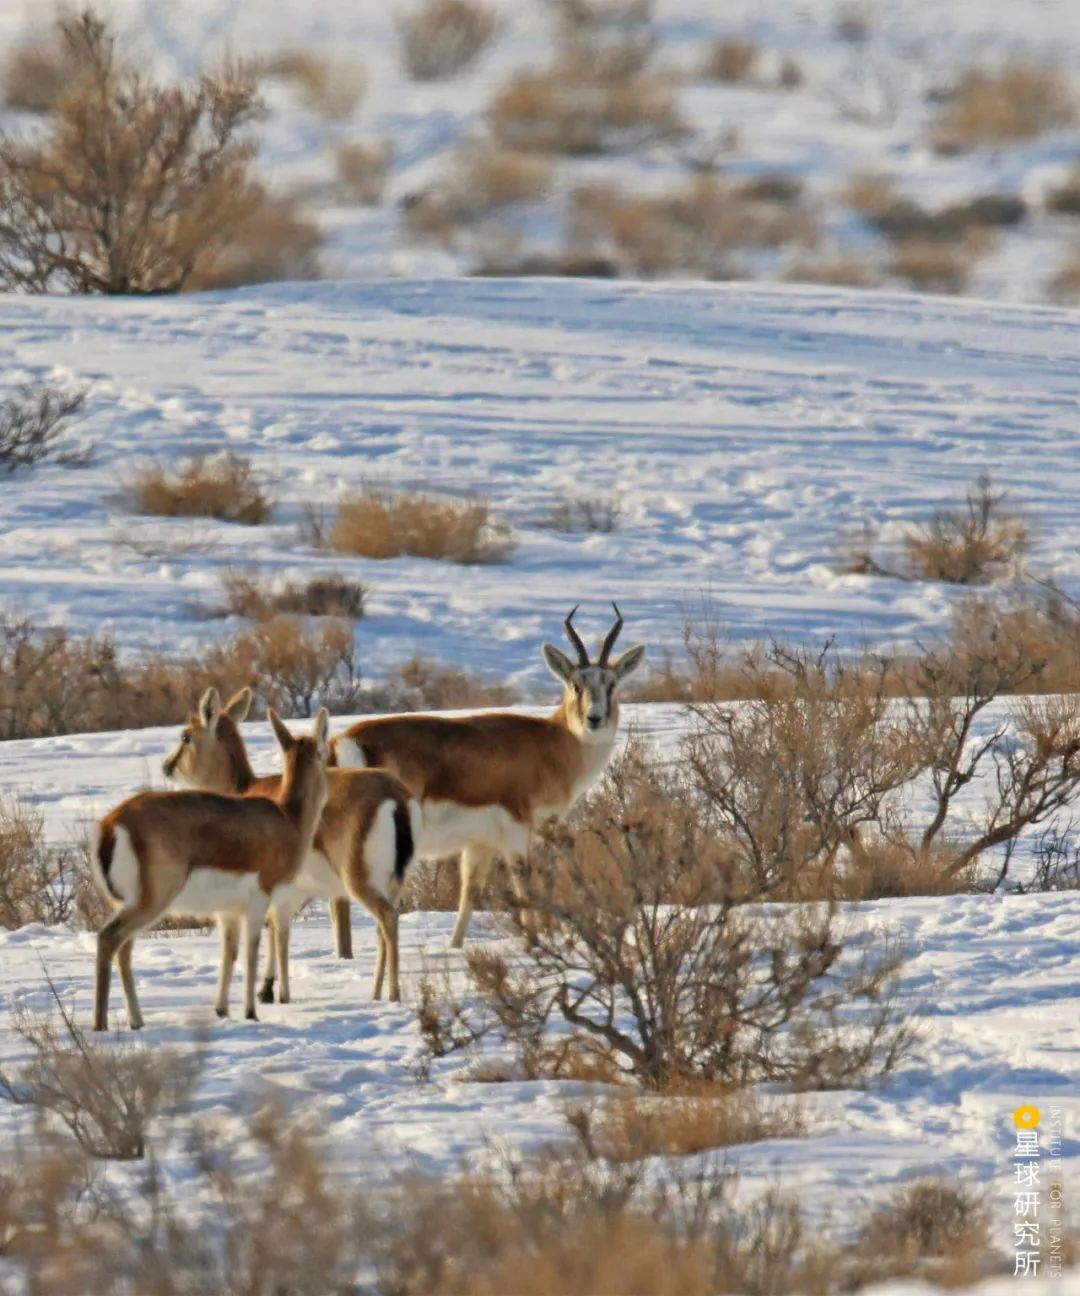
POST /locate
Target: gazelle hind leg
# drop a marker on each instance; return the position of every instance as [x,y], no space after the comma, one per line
[230,947]
[475,866]
[380,961]
[121,928]
[253,923]
[127,980]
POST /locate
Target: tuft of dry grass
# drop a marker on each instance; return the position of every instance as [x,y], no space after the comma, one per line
[223,487]
[260,597]
[869,192]
[632,1126]
[843,271]
[1065,199]
[1065,285]
[443,38]
[333,90]
[384,524]
[969,546]
[571,110]
[1018,101]
[482,177]
[362,168]
[732,61]
[694,229]
[930,266]
[423,685]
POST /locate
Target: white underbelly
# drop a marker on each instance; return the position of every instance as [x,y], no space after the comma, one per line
[211,891]
[448,828]
[316,878]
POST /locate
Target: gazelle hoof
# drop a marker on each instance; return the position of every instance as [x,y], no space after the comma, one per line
[250,1015]
[222,1012]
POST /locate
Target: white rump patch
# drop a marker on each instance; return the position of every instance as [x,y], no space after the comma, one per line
[348,753]
[123,875]
[380,850]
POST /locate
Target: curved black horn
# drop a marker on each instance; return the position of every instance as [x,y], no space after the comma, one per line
[612,635]
[575,638]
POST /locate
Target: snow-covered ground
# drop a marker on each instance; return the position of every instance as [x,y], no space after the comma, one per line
[991,984]
[741,429]
[862,107]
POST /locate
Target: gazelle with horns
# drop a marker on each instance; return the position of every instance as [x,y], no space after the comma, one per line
[486,781]
[361,850]
[201,853]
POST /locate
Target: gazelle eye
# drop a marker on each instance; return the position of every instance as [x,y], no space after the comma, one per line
[185,739]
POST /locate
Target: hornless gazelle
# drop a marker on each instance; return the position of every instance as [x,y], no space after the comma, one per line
[362,846]
[486,781]
[201,853]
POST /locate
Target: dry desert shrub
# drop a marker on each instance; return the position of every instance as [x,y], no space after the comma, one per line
[931,1229]
[443,38]
[104,1095]
[34,425]
[220,486]
[54,683]
[973,545]
[38,883]
[695,229]
[732,61]
[423,685]
[362,170]
[584,514]
[37,72]
[1016,102]
[135,187]
[570,109]
[382,524]
[333,90]
[261,597]
[636,948]
[275,241]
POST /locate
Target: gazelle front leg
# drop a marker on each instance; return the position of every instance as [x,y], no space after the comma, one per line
[475,865]
[230,947]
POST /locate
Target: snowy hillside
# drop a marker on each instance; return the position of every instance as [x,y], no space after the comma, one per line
[740,429]
[862,105]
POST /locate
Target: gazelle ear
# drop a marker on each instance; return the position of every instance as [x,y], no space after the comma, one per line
[628,662]
[321,731]
[209,708]
[285,739]
[239,705]
[558,663]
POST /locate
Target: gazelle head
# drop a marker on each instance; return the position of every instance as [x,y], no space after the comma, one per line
[210,754]
[590,688]
[303,775]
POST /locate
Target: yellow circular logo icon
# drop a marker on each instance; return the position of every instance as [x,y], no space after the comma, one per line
[1026,1117]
